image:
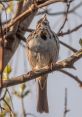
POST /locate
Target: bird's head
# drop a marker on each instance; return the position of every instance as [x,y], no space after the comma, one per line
[43,28]
[43,22]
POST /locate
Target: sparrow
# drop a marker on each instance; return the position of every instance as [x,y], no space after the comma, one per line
[42,48]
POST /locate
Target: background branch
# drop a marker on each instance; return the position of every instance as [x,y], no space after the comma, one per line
[68,46]
[70,31]
[12,40]
[65,104]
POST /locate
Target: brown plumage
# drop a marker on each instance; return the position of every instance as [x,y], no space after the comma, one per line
[42,49]
[42,103]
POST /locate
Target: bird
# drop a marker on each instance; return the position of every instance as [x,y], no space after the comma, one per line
[42,48]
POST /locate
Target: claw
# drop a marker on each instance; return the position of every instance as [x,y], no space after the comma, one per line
[30,73]
[51,66]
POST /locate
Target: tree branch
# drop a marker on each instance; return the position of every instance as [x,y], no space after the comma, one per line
[61,12]
[19,9]
[32,8]
[66,63]
[72,76]
[70,31]
[68,46]
[65,104]
[12,39]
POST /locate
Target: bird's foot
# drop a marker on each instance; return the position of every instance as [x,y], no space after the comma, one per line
[51,66]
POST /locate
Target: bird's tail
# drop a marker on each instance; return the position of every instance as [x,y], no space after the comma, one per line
[42,105]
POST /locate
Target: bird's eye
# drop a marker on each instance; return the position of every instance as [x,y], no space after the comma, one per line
[43,36]
[45,23]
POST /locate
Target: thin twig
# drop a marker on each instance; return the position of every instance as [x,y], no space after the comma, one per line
[68,46]
[70,31]
[4,95]
[7,104]
[23,109]
[10,97]
[65,104]
[72,10]
[66,15]
[72,76]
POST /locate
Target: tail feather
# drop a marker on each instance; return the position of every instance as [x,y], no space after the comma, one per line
[42,105]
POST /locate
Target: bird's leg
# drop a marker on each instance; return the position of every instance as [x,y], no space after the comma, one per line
[31,72]
[51,64]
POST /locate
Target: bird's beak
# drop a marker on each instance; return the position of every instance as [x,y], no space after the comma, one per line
[45,17]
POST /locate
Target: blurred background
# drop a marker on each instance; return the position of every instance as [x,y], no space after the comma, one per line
[57,81]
